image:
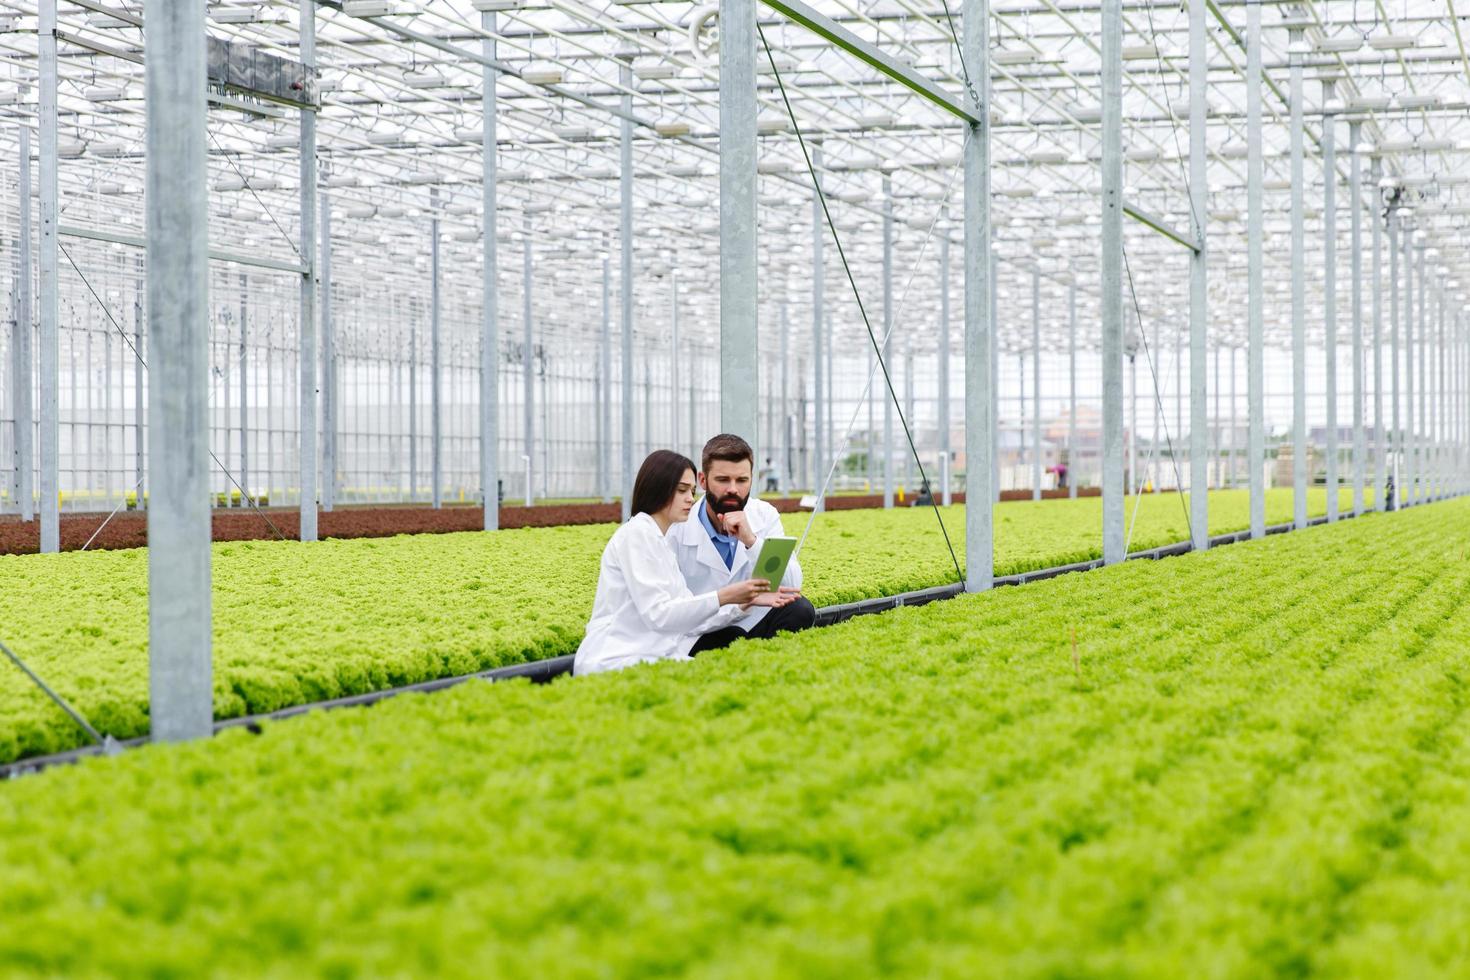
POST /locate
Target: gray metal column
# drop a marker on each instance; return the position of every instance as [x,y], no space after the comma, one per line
[25,421]
[1298,293]
[1255,281]
[739,285]
[625,265]
[436,396]
[1439,395]
[886,354]
[140,382]
[1072,469]
[1035,383]
[1329,288]
[674,359]
[528,365]
[1355,194]
[1233,416]
[942,352]
[783,457]
[490,296]
[994,291]
[1408,493]
[1199,498]
[820,408]
[413,397]
[179,635]
[979,320]
[307,317]
[244,389]
[1395,433]
[604,408]
[329,363]
[1380,450]
[1419,437]
[50,335]
[1114,545]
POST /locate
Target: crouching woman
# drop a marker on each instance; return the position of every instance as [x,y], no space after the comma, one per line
[644,610]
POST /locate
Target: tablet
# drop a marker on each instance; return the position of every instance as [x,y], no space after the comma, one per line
[771,563]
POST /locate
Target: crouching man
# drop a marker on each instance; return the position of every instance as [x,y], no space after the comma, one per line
[719,543]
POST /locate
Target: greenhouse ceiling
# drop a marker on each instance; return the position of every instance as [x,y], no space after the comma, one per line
[399,142]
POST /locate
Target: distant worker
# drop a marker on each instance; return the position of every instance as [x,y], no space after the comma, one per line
[644,611]
[768,473]
[925,497]
[1060,471]
[719,542]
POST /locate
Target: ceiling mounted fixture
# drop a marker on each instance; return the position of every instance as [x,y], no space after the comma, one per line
[1392,42]
[1339,45]
[541,76]
[369,8]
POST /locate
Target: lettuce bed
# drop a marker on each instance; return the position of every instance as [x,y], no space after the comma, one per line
[1257,763]
[295,623]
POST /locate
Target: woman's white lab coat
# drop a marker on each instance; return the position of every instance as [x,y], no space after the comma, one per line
[644,611]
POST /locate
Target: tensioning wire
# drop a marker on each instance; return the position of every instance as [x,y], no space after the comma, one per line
[872,337]
[1163,417]
[872,372]
[244,494]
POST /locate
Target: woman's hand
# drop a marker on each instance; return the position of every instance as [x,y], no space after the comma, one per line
[775,600]
[744,593]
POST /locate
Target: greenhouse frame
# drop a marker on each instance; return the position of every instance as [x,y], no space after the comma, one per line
[281,269]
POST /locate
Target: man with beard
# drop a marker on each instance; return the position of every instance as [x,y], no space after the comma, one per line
[719,543]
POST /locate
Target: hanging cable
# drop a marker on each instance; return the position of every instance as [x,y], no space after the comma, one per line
[244,494]
[867,324]
[103,740]
[1163,416]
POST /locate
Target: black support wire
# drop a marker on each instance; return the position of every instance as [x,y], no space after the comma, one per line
[104,741]
[1163,415]
[857,295]
[244,494]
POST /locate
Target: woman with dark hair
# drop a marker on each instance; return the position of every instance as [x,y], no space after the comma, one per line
[643,610]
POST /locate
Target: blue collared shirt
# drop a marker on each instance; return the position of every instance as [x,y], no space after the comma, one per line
[724,543]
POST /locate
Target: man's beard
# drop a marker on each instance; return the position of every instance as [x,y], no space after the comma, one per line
[727,504]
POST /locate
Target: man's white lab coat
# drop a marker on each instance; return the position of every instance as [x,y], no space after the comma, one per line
[704,570]
[644,611]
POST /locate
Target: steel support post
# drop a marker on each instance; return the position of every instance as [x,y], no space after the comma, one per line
[490,298]
[1255,277]
[1410,445]
[994,291]
[1072,468]
[49,309]
[1215,429]
[329,362]
[980,486]
[528,361]
[1355,194]
[1422,435]
[885,355]
[1199,498]
[436,382]
[244,388]
[674,358]
[625,263]
[1329,287]
[783,458]
[1439,394]
[1298,292]
[177,203]
[1114,544]
[820,409]
[1035,383]
[413,398]
[307,317]
[25,420]
[942,353]
[1234,417]
[739,284]
[1380,439]
[140,382]
[604,408]
[1396,443]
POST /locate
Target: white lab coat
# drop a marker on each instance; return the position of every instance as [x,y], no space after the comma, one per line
[643,610]
[704,570]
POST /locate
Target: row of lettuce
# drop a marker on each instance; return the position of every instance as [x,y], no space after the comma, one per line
[1246,763]
[300,623]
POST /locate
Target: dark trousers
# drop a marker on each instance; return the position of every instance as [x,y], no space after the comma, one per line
[799,615]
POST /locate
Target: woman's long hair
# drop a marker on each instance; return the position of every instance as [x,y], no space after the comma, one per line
[657,480]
